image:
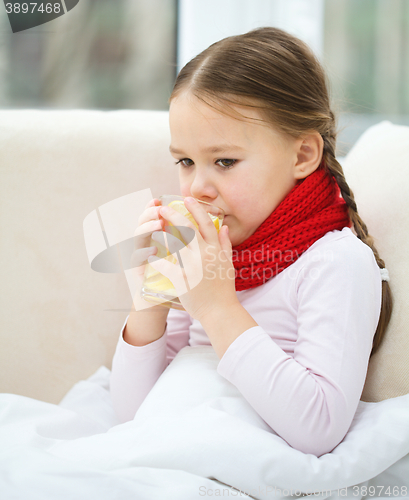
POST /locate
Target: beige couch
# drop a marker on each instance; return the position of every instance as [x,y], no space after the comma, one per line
[60,320]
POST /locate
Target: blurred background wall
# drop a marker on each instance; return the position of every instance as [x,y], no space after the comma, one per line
[125,54]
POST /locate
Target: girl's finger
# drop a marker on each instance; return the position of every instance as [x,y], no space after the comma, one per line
[182,224]
[140,256]
[226,243]
[149,214]
[144,232]
[153,202]
[206,226]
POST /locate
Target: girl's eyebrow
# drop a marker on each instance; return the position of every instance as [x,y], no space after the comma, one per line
[212,149]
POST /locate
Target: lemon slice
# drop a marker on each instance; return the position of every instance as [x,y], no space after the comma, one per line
[174,232]
[161,285]
[171,258]
[161,253]
[179,206]
[150,272]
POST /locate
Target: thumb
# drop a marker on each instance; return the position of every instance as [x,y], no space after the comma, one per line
[226,243]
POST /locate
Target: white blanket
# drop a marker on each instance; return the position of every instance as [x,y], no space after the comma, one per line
[194,436]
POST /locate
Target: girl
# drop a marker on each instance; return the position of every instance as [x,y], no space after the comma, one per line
[292,298]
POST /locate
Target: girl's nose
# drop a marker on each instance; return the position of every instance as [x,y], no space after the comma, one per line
[203,188]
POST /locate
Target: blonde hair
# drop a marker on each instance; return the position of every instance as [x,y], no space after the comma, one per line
[278,74]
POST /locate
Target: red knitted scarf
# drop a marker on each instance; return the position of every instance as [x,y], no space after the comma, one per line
[310,210]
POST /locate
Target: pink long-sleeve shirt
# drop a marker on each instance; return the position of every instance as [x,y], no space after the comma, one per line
[304,367]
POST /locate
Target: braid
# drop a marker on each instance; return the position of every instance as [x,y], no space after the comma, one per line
[360,230]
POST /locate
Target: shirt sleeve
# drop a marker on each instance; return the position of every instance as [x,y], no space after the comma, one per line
[135,369]
[310,398]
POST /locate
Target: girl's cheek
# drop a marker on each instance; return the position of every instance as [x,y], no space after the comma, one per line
[185,190]
[237,195]
[184,186]
[184,183]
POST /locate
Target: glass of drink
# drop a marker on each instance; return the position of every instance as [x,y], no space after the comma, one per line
[156,288]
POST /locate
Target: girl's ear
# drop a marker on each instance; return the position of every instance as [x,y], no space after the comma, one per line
[309,155]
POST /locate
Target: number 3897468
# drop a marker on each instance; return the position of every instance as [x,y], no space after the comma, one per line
[30,8]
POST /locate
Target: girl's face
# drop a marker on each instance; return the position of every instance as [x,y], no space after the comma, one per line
[243,167]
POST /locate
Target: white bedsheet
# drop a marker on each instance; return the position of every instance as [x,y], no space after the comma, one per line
[194,436]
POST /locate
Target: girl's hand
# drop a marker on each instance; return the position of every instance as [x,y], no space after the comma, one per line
[148,223]
[206,260]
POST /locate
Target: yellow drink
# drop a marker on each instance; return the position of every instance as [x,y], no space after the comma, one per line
[156,288]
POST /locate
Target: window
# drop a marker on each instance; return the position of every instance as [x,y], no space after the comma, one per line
[102,54]
[366,55]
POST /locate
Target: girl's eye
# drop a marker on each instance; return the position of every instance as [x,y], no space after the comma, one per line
[182,162]
[226,167]
[229,162]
